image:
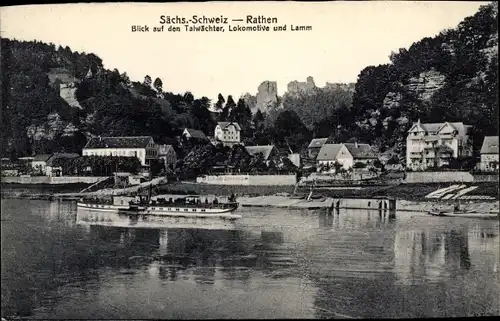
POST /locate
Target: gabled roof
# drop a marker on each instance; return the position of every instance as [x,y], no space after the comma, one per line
[42,157]
[119,142]
[165,149]
[317,142]
[329,152]
[490,145]
[434,128]
[54,157]
[196,133]
[264,149]
[360,150]
[460,127]
[225,124]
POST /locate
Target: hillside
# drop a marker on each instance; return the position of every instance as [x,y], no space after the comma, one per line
[54,99]
[452,76]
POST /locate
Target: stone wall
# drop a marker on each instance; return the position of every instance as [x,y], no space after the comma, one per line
[52,180]
[248,179]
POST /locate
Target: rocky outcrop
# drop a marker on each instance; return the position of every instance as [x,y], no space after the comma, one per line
[340,86]
[67,92]
[298,87]
[51,128]
[267,97]
[422,87]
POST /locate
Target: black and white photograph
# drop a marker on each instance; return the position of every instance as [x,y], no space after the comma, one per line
[249,160]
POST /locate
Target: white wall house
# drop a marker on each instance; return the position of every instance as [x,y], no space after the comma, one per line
[432,144]
[489,154]
[39,163]
[346,154]
[142,147]
[228,133]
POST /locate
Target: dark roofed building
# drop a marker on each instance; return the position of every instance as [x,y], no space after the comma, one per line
[268,151]
[194,134]
[315,146]
[345,154]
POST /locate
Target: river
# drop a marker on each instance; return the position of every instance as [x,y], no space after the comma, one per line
[276,264]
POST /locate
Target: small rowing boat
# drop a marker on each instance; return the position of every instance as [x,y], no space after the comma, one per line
[463,214]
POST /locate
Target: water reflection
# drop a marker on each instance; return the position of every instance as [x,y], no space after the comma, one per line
[277,264]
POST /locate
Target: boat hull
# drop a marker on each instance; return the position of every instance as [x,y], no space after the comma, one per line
[174,211]
[464,215]
[87,217]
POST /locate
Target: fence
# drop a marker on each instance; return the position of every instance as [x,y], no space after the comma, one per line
[52,180]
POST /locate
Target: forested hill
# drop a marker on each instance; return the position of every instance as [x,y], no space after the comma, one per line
[36,118]
[448,77]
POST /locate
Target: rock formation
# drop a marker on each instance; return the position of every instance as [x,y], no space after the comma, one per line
[297,86]
[267,97]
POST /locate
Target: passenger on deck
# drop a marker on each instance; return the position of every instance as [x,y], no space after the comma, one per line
[216,201]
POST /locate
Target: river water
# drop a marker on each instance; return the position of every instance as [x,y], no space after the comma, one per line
[275,264]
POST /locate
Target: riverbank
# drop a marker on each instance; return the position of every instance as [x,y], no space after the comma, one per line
[484,191]
[409,192]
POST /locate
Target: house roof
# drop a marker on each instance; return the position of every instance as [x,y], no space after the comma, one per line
[317,142]
[433,128]
[54,157]
[165,149]
[119,142]
[328,152]
[360,150]
[42,157]
[225,124]
[490,145]
[196,133]
[264,149]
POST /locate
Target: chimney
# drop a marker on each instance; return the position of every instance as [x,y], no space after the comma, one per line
[356,144]
[100,139]
[418,121]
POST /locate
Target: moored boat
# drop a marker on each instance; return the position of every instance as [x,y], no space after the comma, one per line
[463,214]
[187,206]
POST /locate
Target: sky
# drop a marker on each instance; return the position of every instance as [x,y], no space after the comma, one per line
[345,38]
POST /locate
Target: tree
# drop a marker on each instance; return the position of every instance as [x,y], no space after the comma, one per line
[220,102]
[147,81]
[158,84]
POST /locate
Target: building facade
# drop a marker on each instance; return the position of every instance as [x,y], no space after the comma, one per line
[433,144]
[346,154]
[142,147]
[489,154]
[168,154]
[228,133]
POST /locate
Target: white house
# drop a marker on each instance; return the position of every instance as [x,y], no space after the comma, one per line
[489,154]
[47,164]
[432,144]
[142,147]
[39,163]
[168,154]
[228,133]
[346,154]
